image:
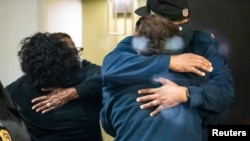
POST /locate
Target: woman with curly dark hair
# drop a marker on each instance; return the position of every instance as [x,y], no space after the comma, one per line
[49,62]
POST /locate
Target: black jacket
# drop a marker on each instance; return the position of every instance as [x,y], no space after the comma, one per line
[78,120]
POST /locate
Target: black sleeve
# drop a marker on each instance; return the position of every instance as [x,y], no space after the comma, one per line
[91,86]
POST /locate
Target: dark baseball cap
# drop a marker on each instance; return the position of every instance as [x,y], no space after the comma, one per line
[171,9]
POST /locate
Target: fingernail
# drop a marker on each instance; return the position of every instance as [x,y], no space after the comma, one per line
[203,74]
[211,69]
[137,99]
[139,92]
[151,114]
[141,107]
[33,108]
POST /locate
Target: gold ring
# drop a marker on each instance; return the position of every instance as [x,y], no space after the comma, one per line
[48,104]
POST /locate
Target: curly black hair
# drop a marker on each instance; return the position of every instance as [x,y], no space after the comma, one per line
[61,35]
[49,62]
[66,38]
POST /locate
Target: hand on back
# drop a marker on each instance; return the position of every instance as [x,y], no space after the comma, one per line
[189,62]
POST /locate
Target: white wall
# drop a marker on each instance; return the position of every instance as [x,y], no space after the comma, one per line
[18,19]
[65,16]
[22,18]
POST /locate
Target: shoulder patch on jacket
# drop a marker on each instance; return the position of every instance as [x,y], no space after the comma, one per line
[4,133]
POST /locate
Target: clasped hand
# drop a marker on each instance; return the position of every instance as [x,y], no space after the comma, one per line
[170,94]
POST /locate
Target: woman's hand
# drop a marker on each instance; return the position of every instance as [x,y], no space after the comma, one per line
[55,99]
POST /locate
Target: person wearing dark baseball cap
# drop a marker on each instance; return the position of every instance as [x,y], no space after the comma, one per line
[167,110]
[178,11]
[171,9]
